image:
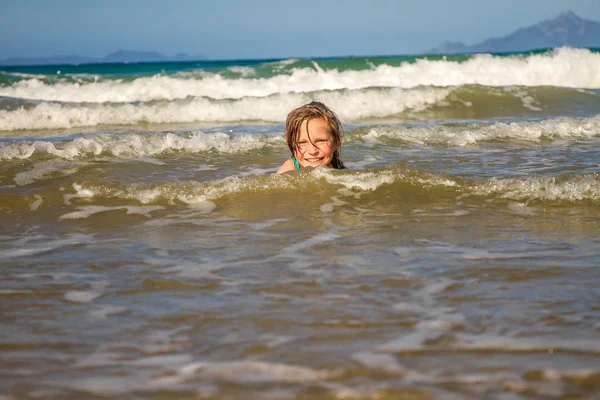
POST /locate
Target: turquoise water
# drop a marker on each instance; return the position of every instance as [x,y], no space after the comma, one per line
[147,248]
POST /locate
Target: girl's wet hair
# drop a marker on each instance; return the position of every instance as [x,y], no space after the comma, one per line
[315,110]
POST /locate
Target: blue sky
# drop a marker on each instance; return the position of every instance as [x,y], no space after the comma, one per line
[222,29]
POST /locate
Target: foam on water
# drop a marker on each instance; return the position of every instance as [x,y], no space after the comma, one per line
[317,239]
[328,207]
[202,195]
[353,105]
[470,253]
[33,245]
[80,193]
[254,372]
[168,361]
[452,213]
[34,205]
[578,188]
[245,72]
[435,319]
[97,289]
[192,270]
[87,211]
[142,146]
[564,67]
[516,344]
[380,361]
[104,311]
[134,145]
[522,209]
[45,170]
[458,135]
[361,180]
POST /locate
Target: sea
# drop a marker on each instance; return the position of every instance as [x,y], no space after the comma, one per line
[148,249]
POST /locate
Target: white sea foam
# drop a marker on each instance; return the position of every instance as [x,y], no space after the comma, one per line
[276,340]
[507,343]
[565,67]
[457,135]
[33,245]
[585,187]
[103,311]
[34,205]
[317,239]
[14,291]
[254,372]
[367,160]
[522,209]
[168,361]
[361,180]
[87,211]
[44,170]
[201,196]
[81,193]
[200,204]
[194,270]
[97,289]
[266,224]
[131,145]
[328,207]
[353,105]
[470,253]
[380,361]
[448,213]
[243,71]
[197,195]
[141,146]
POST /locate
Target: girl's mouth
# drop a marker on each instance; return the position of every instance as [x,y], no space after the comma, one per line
[313,160]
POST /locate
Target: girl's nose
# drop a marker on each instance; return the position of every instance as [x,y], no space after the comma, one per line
[312,149]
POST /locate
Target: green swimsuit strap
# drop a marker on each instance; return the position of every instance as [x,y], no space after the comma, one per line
[296,163]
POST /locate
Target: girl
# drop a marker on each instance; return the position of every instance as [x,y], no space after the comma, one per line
[314,135]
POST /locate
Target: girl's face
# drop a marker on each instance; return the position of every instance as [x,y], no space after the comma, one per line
[314,146]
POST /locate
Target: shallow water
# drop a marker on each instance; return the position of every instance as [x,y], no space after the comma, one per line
[455,258]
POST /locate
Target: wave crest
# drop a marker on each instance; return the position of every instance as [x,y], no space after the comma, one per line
[565,67]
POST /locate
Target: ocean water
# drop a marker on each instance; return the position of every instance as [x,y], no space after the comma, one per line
[149,250]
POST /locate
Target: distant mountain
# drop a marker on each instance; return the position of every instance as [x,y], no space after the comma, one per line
[565,30]
[146,56]
[47,60]
[133,56]
[120,56]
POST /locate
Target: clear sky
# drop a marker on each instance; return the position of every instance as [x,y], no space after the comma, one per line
[222,29]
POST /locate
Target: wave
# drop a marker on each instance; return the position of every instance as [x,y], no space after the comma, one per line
[353,105]
[464,135]
[149,144]
[466,102]
[549,189]
[387,184]
[139,145]
[394,186]
[395,182]
[564,67]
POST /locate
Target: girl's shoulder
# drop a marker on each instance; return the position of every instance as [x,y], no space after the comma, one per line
[288,165]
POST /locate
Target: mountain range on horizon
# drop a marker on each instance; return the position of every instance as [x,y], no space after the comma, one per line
[567,29]
[119,56]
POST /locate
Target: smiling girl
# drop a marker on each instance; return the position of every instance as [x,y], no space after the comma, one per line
[314,135]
